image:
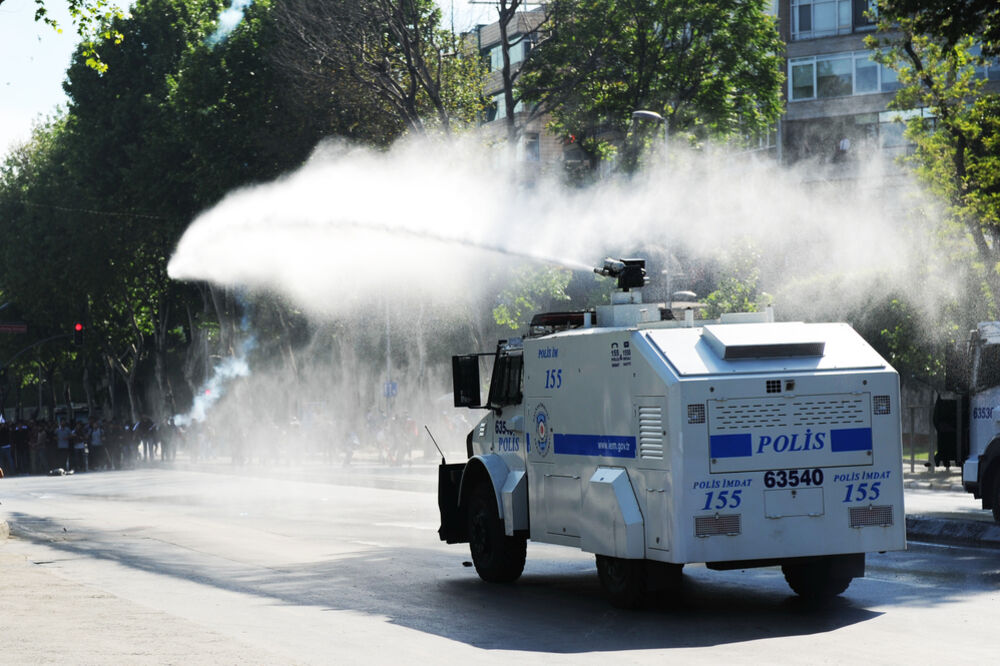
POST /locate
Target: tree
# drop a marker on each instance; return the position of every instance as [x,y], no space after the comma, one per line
[738,286]
[525,28]
[948,21]
[391,53]
[711,69]
[91,18]
[957,139]
[39,270]
[529,290]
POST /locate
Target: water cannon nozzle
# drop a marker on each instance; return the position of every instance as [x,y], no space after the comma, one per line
[631,273]
[610,268]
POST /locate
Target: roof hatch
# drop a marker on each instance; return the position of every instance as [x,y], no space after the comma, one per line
[780,340]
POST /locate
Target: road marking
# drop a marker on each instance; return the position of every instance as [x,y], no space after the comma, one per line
[430,527]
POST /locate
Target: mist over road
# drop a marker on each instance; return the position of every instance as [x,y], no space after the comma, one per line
[241,566]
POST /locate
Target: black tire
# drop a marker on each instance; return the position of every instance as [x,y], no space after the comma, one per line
[623,581]
[996,497]
[663,577]
[498,558]
[815,580]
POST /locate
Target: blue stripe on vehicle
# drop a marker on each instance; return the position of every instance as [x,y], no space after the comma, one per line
[594,445]
[851,439]
[731,446]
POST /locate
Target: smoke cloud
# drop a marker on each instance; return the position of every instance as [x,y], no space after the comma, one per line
[228,20]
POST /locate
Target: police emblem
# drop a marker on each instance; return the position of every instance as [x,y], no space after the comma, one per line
[541,429]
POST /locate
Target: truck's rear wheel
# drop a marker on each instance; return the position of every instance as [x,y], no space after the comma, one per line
[498,558]
[816,579]
[623,581]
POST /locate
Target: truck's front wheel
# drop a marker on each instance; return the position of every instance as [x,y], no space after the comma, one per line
[498,558]
[624,581]
[816,579]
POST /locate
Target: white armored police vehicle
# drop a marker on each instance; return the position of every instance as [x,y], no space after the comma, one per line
[653,443]
[968,419]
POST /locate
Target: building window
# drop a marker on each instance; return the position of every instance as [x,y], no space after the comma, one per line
[802,76]
[492,58]
[519,49]
[865,75]
[523,48]
[990,69]
[820,18]
[838,75]
[496,58]
[500,102]
[490,112]
[823,18]
[833,77]
[892,128]
[497,108]
[863,9]
[890,82]
[532,152]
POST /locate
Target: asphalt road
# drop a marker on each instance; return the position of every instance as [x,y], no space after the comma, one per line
[176,566]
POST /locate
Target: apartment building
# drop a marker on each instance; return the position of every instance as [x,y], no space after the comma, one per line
[535,147]
[837,96]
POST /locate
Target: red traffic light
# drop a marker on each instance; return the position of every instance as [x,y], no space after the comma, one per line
[77,326]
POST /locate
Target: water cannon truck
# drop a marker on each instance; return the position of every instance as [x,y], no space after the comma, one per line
[654,442]
[967,415]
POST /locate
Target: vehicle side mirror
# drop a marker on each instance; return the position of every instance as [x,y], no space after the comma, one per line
[465,380]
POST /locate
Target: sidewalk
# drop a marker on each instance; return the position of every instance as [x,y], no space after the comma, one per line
[939,510]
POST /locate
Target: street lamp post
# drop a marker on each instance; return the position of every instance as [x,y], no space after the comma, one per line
[642,114]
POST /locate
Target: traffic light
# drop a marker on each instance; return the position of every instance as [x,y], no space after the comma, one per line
[77,334]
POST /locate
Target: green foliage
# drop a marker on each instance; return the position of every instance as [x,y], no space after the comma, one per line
[958,146]
[711,69]
[909,349]
[905,336]
[531,290]
[949,22]
[92,19]
[161,131]
[389,56]
[738,288]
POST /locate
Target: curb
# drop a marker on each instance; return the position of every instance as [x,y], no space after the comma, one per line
[953,532]
[933,485]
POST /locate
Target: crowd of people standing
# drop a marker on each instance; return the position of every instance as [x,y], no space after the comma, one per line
[65,446]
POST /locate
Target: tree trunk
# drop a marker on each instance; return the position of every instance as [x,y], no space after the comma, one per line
[219,303]
[286,340]
[508,11]
[87,392]
[165,399]
[109,369]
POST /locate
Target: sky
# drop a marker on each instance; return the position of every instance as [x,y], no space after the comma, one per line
[34,59]
[33,62]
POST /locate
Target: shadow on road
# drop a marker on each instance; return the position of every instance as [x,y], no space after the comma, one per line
[557,606]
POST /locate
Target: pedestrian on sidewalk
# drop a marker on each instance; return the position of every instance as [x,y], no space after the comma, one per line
[63,435]
[98,452]
[37,445]
[81,437]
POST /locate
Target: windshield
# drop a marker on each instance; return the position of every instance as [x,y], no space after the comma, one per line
[505,388]
[988,368]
